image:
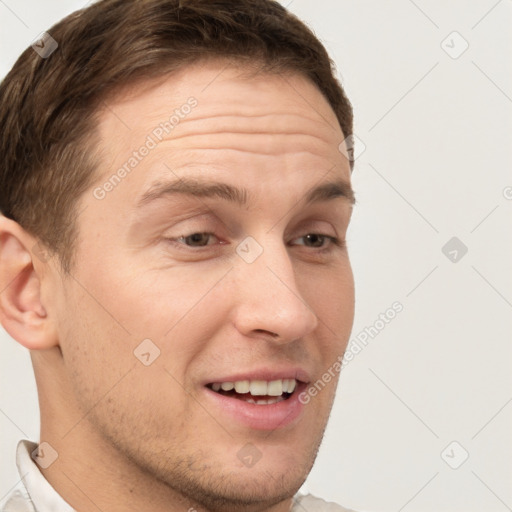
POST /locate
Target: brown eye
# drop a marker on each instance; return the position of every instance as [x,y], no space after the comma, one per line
[317,240]
[196,239]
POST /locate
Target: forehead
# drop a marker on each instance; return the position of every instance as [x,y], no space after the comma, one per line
[222,89]
[213,116]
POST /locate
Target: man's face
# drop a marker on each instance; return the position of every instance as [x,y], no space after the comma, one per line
[218,306]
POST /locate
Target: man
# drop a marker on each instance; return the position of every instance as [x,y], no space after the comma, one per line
[175,191]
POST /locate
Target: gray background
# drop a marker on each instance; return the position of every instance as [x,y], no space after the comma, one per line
[435,128]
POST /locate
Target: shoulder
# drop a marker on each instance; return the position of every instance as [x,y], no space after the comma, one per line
[313,504]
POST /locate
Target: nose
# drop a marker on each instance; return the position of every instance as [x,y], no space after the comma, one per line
[269,303]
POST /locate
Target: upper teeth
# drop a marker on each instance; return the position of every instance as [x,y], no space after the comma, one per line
[258,387]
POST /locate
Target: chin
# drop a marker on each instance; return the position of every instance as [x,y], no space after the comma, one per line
[222,486]
[249,489]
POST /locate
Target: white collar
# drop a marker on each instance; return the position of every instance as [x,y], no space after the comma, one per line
[40,496]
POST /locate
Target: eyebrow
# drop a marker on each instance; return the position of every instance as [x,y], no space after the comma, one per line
[240,196]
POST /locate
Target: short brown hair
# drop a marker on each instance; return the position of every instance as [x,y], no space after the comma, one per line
[48,105]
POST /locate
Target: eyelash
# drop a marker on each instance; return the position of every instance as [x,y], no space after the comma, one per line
[332,239]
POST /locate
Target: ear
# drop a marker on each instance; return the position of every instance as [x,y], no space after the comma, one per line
[22,313]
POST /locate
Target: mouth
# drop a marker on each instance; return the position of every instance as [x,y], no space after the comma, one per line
[252,402]
[256,392]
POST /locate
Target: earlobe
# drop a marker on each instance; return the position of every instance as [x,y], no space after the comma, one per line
[22,312]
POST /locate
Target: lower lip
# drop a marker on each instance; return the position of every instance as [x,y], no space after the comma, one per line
[259,417]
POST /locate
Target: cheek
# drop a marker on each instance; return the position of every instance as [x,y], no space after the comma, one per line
[153,303]
[332,298]
[331,295]
[97,352]
[105,323]
[125,398]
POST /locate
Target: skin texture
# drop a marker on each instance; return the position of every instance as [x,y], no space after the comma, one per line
[132,437]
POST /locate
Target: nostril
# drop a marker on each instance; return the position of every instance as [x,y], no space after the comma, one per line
[267,333]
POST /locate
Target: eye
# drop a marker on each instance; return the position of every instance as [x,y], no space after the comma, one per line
[194,239]
[317,240]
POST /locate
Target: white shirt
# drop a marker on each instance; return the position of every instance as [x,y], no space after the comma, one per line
[35,494]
